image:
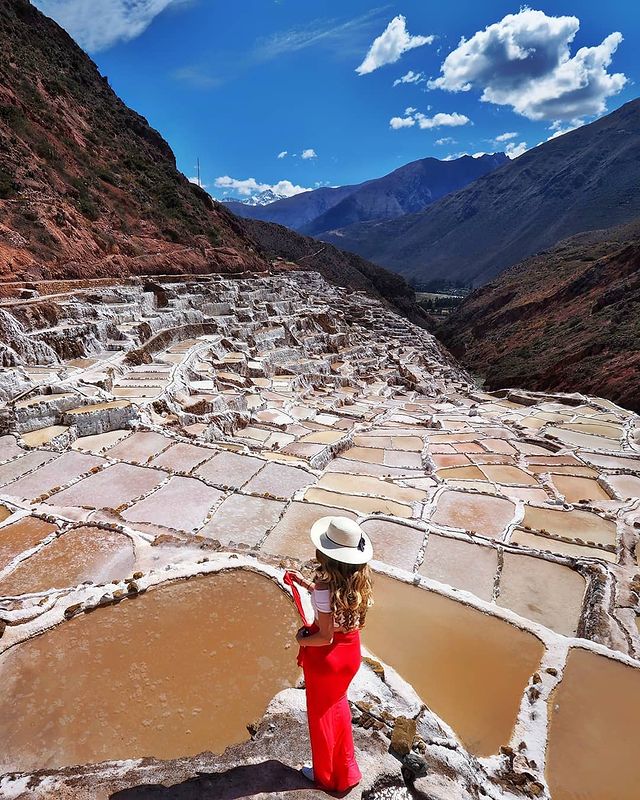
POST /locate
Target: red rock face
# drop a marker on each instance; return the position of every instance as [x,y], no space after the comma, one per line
[87,187]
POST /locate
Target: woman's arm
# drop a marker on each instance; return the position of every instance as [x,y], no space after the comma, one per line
[324,620]
[324,635]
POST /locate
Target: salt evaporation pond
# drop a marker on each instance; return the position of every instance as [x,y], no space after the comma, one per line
[470,668]
[176,671]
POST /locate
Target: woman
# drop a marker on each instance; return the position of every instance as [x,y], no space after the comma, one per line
[330,648]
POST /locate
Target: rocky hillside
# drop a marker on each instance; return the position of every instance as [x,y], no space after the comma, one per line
[567,319]
[585,180]
[89,189]
[337,266]
[408,189]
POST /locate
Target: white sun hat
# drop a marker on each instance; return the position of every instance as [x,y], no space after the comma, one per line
[341,539]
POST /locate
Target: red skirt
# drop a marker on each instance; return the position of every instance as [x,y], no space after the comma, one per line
[328,671]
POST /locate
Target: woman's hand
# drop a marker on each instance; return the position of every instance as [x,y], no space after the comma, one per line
[299,578]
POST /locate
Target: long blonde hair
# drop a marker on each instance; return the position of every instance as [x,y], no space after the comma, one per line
[350,587]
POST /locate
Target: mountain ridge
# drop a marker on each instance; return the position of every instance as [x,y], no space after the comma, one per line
[408,188]
[583,180]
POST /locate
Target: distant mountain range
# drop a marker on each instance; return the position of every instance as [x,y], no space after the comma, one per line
[586,179]
[261,199]
[567,319]
[406,190]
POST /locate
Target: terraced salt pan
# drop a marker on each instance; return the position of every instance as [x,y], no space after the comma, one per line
[183,457]
[508,475]
[557,607]
[42,436]
[394,544]
[243,519]
[460,564]
[279,480]
[627,486]
[18,537]
[181,503]
[81,554]
[140,447]
[358,503]
[9,448]
[110,488]
[469,667]
[53,474]
[484,514]
[576,439]
[25,463]
[612,462]
[560,547]
[99,442]
[461,473]
[148,676]
[573,524]
[348,466]
[229,469]
[574,489]
[593,735]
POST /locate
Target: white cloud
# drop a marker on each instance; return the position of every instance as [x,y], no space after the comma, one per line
[440,120]
[524,61]
[559,130]
[505,137]
[250,186]
[98,25]
[197,182]
[411,77]
[390,45]
[334,34]
[308,153]
[514,150]
[445,140]
[401,122]
[283,154]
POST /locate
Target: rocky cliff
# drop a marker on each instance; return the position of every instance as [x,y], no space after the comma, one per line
[567,319]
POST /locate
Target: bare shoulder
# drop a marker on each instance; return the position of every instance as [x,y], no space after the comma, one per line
[321,586]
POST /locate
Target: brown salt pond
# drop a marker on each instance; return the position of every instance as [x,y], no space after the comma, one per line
[575,489]
[81,554]
[486,514]
[573,524]
[470,668]
[17,537]
[176,671]
[592,752]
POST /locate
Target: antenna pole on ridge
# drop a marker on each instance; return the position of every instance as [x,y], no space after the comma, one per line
[198,165]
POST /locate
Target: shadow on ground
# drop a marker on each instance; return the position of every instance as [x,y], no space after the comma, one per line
[266,779]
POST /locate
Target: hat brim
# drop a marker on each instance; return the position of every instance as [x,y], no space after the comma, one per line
[338,552]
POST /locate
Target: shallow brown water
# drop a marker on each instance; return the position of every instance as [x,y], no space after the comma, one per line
[175,671]
[81,554]
[470,668]
[593,736]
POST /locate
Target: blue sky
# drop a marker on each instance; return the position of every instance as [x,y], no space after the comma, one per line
[239,84]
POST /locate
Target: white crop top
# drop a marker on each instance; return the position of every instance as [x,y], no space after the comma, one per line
[321,600]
